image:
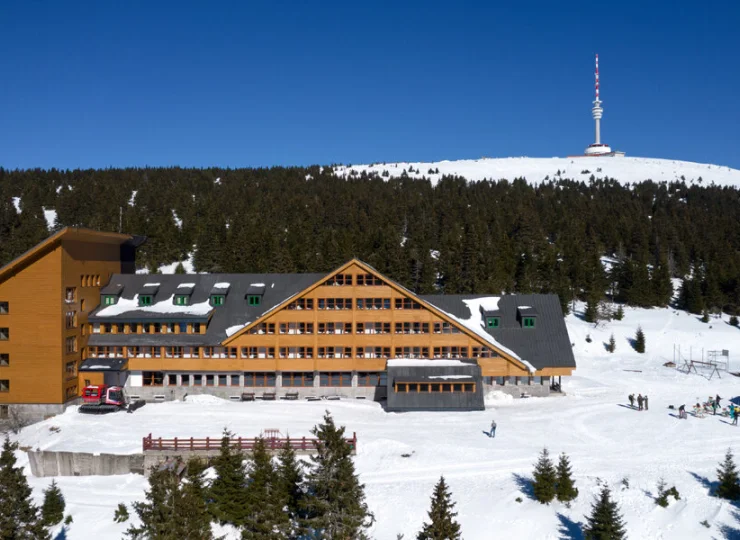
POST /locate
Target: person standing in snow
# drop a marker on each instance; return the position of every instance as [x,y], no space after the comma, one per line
[682,412]
[735,413]
[639,402]
[492,433]
[645,399]
[631,397]
[714,408]
[716,400]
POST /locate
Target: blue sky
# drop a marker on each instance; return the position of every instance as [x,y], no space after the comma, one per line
[98,84]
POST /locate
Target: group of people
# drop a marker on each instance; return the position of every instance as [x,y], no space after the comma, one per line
[712,404]
[642,401]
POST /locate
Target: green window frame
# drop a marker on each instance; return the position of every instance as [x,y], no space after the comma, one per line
[254,299]
[181,300]
[528,322]
[492,322]
[145,299]
[109,300]
[217,299]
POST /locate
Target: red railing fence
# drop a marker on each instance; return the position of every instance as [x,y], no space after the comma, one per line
[238,443]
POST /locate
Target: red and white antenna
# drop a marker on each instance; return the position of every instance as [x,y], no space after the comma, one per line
[597,77]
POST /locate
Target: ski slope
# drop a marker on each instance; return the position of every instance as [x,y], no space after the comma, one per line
[605,440]
[535,170]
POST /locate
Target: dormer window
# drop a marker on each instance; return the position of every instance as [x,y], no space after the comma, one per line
[492,322]
[145,299]
[528,322]
[217,300]
[110,299]
[254,300]
[182,300]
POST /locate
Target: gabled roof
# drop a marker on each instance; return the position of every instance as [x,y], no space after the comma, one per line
[547,345]
[73,233]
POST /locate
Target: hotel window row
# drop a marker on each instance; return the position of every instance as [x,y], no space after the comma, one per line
[360,328]
[434,387]
[147,328]
[360,303]
[360,279]
[265,379]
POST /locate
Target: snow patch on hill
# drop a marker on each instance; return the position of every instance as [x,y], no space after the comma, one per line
[537,170]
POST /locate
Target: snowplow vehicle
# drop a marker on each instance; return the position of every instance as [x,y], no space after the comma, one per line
[103,399]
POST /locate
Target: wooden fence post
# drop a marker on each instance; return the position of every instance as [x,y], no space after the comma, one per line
[191,443]
[175,443]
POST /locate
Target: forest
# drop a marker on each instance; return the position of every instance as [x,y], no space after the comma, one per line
[451,237]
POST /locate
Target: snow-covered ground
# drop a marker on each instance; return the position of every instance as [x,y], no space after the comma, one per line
[605,440]
[535,170]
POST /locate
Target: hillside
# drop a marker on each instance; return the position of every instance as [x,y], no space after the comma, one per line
[535,170]
[606,441]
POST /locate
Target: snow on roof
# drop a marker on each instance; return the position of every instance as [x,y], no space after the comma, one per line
[231,330]
[222,285]
[152,284]
[185,285]
[475,324]
[489,303]
[256,284]
[407,362]
[126,305]
[448,377]
[524,307]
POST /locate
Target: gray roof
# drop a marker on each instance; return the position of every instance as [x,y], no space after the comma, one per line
[235,310]
[547,345]
[112,288]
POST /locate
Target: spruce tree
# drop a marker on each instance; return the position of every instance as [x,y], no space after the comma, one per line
[734,321]
[727,475]
[612,346]
[290,479]
[265,518]
[592,310]
[121,513]
[335,502]
[605,521]
[19,518]
[565,490]
[180,269]
[442,524]
[172,510]
[228,491]
[544,478]
[619,315]
[52,511]
[705,316]
[640,340]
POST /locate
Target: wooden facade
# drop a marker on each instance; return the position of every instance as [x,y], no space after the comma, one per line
[48,293]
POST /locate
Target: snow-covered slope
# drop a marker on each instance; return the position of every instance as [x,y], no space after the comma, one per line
[535,170]
[606,441]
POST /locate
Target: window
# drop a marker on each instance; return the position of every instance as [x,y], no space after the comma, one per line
[4,412]
[406,303]
[372,378]
[82,305]
[263,328]
[374,328]
[217,300]
[261,352]
[168,328]
[181,299]
[335,379]
[492,322]
[182,328]
[152,378]
[450,352]
[4,385]
[4,308]
[119,328]
[296,328]
[445,328]
[373,303]
[4,334]
[210,380]
[483,352]
[254,299]
[301,303]
[4,359]
[369,280]
[109,299]
[335,328]
[70,368]
[334,352]
[71,391]
[173,352]
[528,322]
[145,300]
[184,380]
[146,328]
[223,380]
[235,380]
[171,379]
[196,328]
[335,303]
[70,345]
[373,352]
[296,379]
[424,387]
[412,352]
[296,352]
[412,328]
[198,380]
[70,319]
[339,279]
[70,294]
[260,378]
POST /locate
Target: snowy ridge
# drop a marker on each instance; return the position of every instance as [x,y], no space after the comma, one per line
[536,170]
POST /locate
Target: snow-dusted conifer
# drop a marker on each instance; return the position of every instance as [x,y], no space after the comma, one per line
[640,340]
[727,475]
[544,478]
[605,521]
[228,490]
[52,511]
[565,490]
[612,345]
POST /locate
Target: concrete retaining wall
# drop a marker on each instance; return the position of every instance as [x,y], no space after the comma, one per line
[179,392]
[50,463]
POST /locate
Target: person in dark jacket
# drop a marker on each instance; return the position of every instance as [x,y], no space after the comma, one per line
[682,412]
[716,400]
[639,402]
[631,397]
[645,399]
